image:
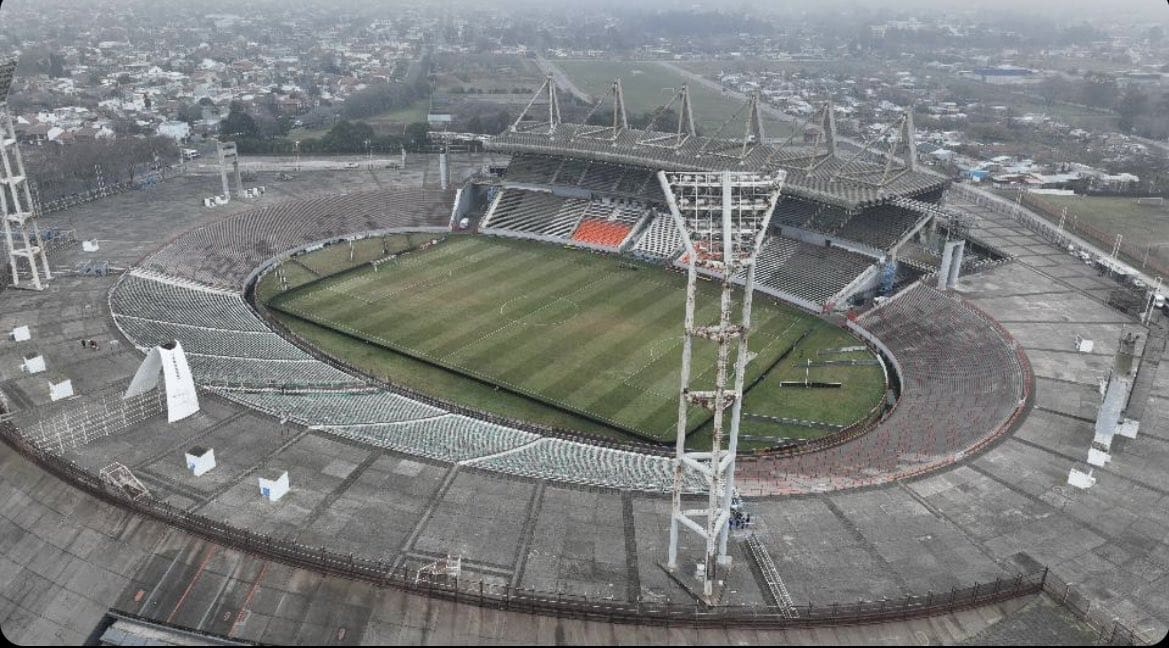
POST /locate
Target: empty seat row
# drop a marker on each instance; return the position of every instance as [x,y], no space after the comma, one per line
[661,239]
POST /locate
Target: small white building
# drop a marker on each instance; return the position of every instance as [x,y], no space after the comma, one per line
[59,390]
[177,130]
[274,487]
[200,460]
[33,363]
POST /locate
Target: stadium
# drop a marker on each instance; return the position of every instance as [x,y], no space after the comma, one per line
[457,384]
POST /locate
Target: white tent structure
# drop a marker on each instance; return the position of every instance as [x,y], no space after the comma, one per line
[181,398]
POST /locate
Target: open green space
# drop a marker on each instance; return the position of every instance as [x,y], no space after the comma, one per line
[561,337]
[1144,228]
[647,85]
[387,123]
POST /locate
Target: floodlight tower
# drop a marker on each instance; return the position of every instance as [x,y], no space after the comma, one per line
[723,217]
[22,237]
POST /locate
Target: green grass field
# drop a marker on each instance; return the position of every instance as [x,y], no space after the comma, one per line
[647,85]
[1143,228]
[579,340]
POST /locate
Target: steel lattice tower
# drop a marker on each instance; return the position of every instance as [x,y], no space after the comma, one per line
[22,237]
[723,217]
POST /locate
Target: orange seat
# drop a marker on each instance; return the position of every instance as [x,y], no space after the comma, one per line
[601,232]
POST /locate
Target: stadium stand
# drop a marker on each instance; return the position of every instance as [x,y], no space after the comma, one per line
[532,169]
[661,239]
[229,370]
[587,465]
[602,233]
[827,220]
[209,341]
[811,272]
[962,383]
[171,301]
[226,343]
[332,408]
[793,212]
[602,177]
[224,253]
[536,212]
[450,437]
[881,227]
[570,172]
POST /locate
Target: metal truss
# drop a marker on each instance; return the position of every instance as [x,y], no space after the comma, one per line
[723,217]
[685,127]
[855,169]
[825,122]
[752,133]
[22,238]
[620,118]
[532,124]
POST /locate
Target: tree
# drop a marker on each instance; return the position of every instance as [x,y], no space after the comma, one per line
[238,124]
[318,117]
[56,66]
[1131,105]
[191,113]
[416,135]
[347,137]
[1099,90]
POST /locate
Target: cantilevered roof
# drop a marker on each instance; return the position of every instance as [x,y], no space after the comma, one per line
[813,174]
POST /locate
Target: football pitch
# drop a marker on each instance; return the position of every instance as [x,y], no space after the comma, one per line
[594,335]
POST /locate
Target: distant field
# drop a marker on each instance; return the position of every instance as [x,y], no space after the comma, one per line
[579,340]
[1143,227]
[851,68]
[387,123]
[647,85]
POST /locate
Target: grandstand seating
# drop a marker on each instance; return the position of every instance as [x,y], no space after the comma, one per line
[880,227]
[208,341]
[961,381]
[661,239]
[332,408]
[631,182]
[793,212]
[450,437]
[536,212]
[570,172]
[602,177]
[307,371]
[533,169]
[588,465]
[153,299]
[826,219]
[602,233]
[224,340]
[812,272]
[225,252]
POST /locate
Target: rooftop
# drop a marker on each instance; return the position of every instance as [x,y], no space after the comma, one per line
[843,179]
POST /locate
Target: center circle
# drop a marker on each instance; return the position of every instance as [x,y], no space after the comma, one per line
[553,313]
